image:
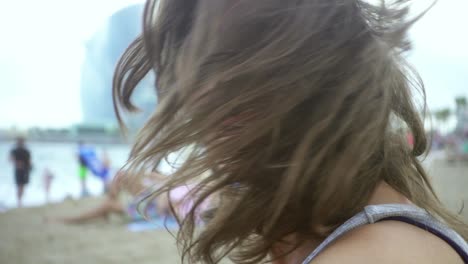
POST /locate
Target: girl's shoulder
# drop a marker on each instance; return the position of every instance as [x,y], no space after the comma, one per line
[388,242]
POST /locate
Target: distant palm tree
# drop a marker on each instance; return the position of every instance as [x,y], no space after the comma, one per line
[442,116]
[461,113]
[461,103]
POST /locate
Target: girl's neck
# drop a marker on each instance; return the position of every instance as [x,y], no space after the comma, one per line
[383,194]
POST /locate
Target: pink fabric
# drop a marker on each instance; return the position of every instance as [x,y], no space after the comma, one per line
[179,193]
[180,196]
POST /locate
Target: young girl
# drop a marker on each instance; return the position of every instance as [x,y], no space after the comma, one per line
[47,179]
[293,108]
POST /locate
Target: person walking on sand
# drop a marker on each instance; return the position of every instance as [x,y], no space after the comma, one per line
[20,156]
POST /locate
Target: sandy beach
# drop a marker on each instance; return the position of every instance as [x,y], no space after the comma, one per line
[26,238]
[450,181]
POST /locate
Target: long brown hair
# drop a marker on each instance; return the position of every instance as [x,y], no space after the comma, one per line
[291,106]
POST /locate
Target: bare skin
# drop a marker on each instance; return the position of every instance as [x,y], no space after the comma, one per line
[83,186]
[383,242]
[19,194]
[106,208]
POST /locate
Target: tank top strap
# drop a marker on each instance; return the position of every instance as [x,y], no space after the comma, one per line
[399,212]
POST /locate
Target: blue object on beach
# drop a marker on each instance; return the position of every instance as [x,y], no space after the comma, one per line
[92,162]
[153,224]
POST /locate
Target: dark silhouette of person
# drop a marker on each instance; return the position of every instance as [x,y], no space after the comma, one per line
[20,156]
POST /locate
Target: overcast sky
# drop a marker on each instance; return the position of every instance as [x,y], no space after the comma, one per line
[41,52]
[42,48]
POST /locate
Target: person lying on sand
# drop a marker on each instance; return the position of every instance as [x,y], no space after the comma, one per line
[123,199]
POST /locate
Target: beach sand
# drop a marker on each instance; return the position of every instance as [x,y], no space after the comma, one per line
[26,239]
[450,181]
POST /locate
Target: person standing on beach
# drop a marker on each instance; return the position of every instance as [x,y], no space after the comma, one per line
[82,169]
[20,156]
[47,179]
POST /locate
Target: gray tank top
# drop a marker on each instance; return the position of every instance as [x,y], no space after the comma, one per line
[399,212]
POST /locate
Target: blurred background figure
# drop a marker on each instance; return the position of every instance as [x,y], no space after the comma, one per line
[98,166]
[82,169]
[21,159]
[47,178]
[123,200]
